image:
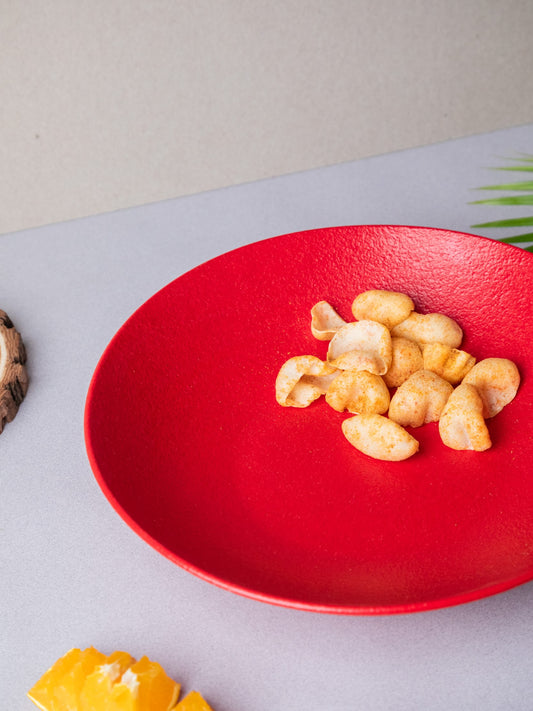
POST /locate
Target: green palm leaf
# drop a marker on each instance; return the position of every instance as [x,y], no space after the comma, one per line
[524,186]
[513,222]
[526,237]
[526,157]
[518,168]
[509,200]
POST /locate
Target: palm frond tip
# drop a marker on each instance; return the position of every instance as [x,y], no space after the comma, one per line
[525,164]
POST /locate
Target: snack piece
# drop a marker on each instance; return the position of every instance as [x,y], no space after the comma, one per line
[303,379]
[497,381]
[387,307]
[362,345]
[13,376]
[325,321]
[462,425]
[430,328]
[358,391]
[390,345]
[379,437]
[450,363]
[406,360]
[420,399]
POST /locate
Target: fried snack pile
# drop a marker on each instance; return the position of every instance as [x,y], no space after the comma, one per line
[394,368]
[88,680]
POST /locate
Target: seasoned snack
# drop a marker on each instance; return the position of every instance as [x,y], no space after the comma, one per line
[406,360]
[325,321]
[497,381]
[387,307]
[394,368]
[450,363]
[13,376]
[362,345]
[379,437]
[420,399]
[358,391]
[430,328]
[303,379]
[462,425]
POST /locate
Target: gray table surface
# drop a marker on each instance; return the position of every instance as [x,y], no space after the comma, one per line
[73,574]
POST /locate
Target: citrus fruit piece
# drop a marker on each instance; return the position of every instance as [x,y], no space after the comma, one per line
[91,681]
[144,686]
[98,685]
[193,702]
[60,686]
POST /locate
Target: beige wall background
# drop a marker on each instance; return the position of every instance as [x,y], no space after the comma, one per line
[106,104]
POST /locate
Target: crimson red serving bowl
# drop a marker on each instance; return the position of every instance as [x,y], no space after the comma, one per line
[187,442]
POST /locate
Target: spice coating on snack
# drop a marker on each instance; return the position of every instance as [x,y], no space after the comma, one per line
[395,368]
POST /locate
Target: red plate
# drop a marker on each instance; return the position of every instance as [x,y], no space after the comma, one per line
[188,444]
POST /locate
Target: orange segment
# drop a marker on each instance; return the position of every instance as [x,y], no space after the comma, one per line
[98,685]
[193,702]
[144,687]
[89,681]
[60,686]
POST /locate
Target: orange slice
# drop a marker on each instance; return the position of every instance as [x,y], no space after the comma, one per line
[98,685]
[89,681]
[193,702]
[143,687]
[60,687]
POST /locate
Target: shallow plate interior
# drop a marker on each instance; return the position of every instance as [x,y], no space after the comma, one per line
[190,447]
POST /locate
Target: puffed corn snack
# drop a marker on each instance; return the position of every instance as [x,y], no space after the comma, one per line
[302,380]
[325,321]
[379,437]
[420,399]
[462,425]
[394,368]
[361,345]
[359,392]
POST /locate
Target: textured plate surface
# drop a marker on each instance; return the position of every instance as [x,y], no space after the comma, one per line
[187,442]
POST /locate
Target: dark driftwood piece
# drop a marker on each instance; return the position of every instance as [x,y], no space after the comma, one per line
[13,376]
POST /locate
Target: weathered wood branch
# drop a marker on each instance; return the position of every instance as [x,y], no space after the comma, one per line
[13,376]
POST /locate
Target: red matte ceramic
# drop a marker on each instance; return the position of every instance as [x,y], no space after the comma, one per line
[187,442]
